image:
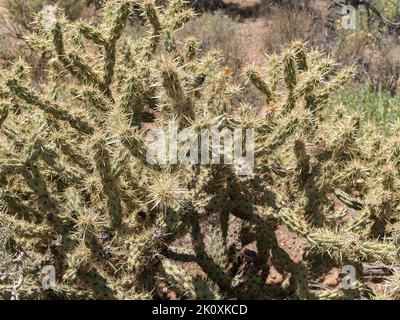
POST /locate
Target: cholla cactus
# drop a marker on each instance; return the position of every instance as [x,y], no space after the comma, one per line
[78,193]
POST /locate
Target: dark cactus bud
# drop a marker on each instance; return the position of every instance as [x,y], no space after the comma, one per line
[74,214]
